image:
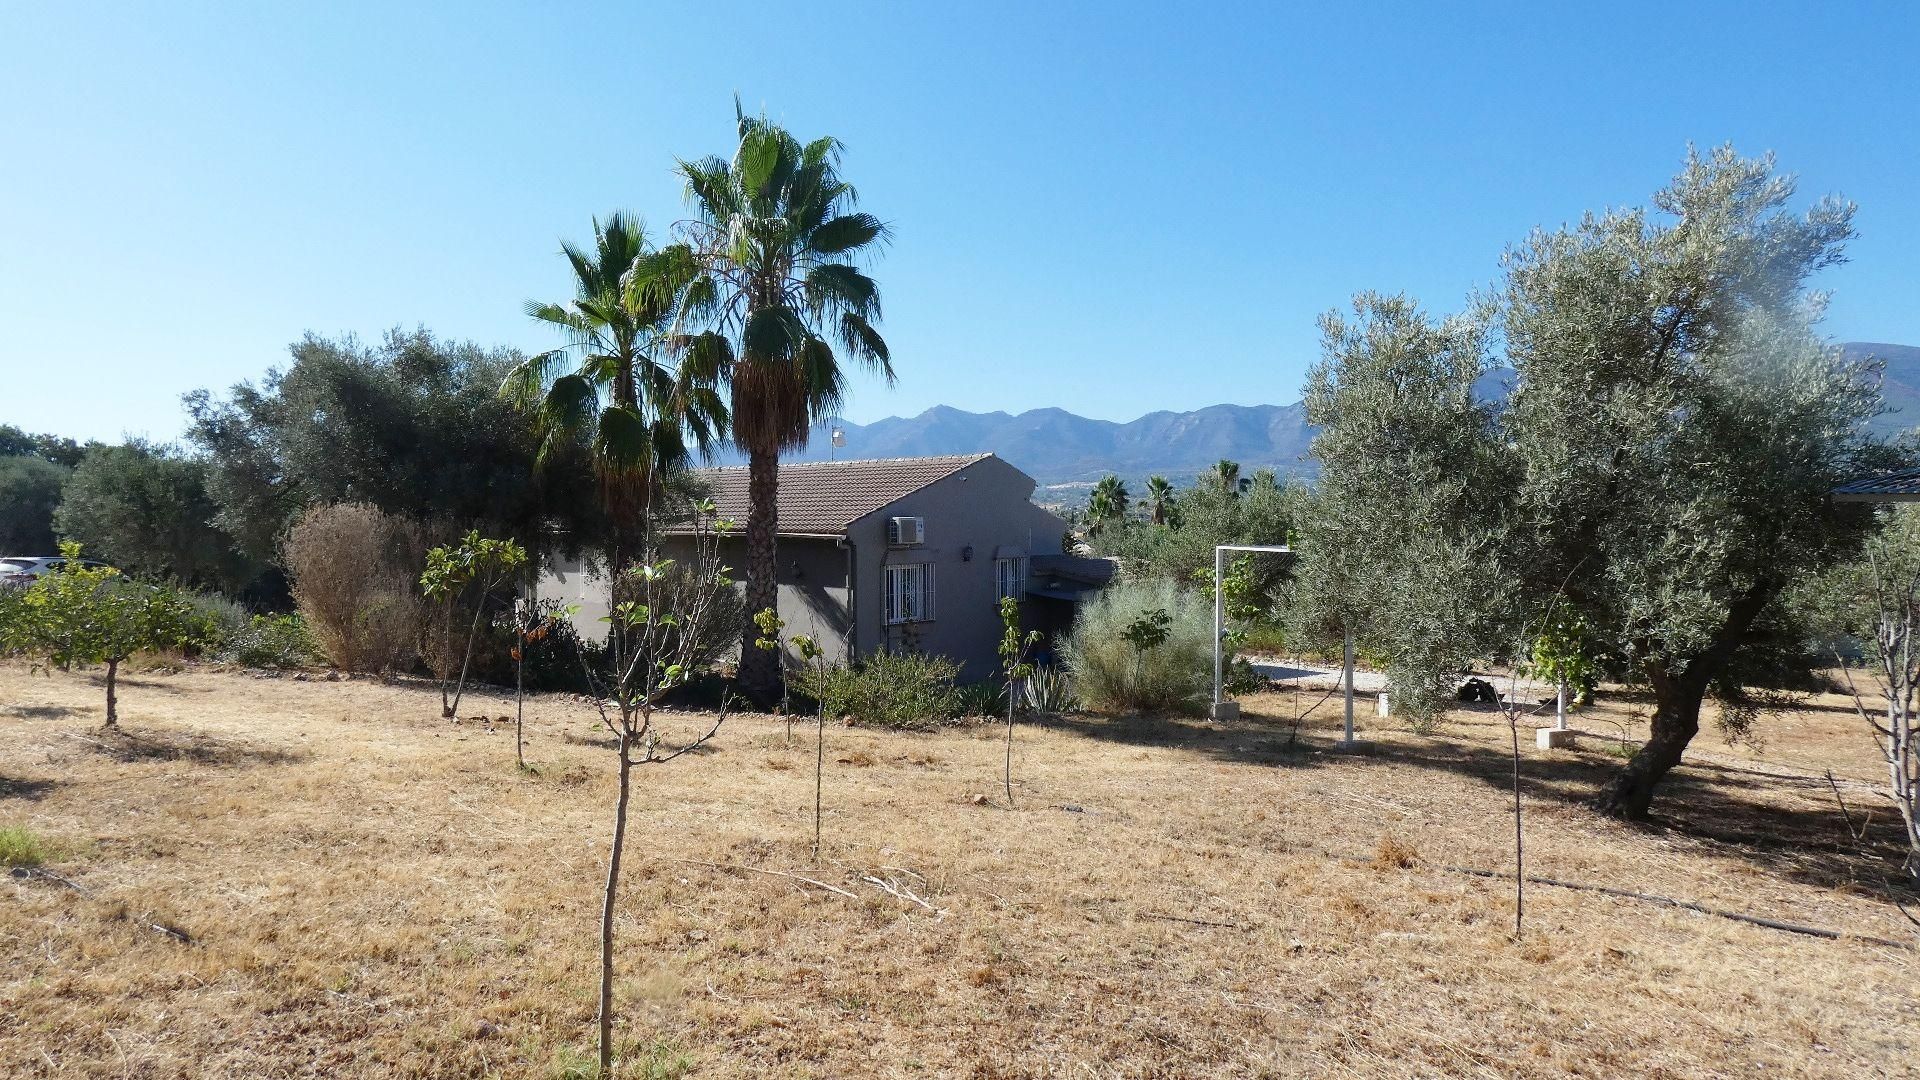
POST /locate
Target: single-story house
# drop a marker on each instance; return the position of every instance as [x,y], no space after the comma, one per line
[896,554]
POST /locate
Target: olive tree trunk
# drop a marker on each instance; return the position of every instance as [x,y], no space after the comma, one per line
[1676,720]
[113,714]
[1678,690]
[760,668]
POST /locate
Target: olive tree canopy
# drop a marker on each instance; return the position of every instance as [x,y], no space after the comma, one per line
[1660,474]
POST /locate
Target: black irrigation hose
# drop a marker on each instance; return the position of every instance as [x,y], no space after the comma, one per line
[1628,894]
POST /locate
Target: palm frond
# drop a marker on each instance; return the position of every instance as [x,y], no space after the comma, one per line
[865,344]
[848,232]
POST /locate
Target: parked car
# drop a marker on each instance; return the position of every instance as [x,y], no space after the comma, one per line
[18,571]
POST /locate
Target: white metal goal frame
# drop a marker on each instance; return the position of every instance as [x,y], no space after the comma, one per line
[1222,708]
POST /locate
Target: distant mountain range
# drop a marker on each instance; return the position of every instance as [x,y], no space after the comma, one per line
[1065,452]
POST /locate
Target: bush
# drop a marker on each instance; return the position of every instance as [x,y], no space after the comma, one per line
[980,699]
[272,641]
[1175,675]
[20,847]
[1050,690]
[906,691]
[353,569]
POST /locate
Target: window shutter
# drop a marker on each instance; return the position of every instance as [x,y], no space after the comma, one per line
[927,615]
[892,602]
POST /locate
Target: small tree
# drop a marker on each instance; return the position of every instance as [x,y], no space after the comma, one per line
[1146,633]
[1876,600]
[452,570]
[94,615]
[656,652]
[532,621]
[770,624]
[816,660]
[1014,650]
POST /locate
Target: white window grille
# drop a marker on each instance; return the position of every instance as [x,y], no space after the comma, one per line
[909,596]
[1010,577]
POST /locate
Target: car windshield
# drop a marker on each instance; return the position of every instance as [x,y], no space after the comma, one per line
[9,565]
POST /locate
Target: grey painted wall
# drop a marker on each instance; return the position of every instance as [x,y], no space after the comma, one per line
[986,506]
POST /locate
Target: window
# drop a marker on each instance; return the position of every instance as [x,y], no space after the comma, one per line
[909,593]
[1010,576]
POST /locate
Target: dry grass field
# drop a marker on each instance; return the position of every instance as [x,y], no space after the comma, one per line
[355,888]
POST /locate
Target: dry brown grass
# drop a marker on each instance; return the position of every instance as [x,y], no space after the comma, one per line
[371,891]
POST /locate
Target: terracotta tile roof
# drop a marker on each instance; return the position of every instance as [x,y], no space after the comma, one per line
[826,496]
[1898,486]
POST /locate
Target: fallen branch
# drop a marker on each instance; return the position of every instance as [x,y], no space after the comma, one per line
[894,889]
[774,873]
[1654,898]
[1184,919]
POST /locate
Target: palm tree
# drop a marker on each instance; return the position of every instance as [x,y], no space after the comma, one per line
[1225,476]
[773,283]
[1108,501]
[613,389]
[1159,500]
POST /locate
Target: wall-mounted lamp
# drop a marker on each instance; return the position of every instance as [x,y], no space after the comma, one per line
[966,553]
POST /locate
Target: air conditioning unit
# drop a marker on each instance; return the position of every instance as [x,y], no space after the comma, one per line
[906,531]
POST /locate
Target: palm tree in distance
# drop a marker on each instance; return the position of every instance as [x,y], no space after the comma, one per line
[770,262]
[1225,475]
[1108,501]
[613,389]
[1159,500]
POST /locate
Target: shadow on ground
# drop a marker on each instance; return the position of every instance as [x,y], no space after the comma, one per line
[199,749]
[29,790]
[1735,813]
[41,712]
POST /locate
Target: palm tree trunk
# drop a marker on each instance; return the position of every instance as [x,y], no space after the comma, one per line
[760,668]
[113,715]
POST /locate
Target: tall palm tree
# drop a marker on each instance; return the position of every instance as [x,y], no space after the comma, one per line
[771,260]
[613,389]
[1108,500]
[1225,475]
[1159,498]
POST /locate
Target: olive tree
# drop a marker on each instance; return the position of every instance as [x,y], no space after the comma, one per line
[1678,427]
[1402,548]
[1660,474]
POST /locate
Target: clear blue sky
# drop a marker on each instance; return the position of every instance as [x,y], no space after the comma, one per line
[1108,210]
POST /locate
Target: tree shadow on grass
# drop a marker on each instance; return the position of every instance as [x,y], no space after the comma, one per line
[29,790]
[41,712]
[1733,813]
[187,746]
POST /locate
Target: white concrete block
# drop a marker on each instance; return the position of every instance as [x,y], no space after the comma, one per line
[1554,738]
[1225,710]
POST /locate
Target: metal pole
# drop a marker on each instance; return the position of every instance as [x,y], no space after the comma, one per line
[1560,707]
[1219,616]
[1347,677]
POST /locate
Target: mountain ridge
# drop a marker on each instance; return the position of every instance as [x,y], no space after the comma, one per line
[1062,449]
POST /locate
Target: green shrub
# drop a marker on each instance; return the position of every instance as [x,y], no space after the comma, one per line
[1175,675]
[894,690]
[980,699]
[20,847]
[1050,690]
[215,618]
[272,641]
